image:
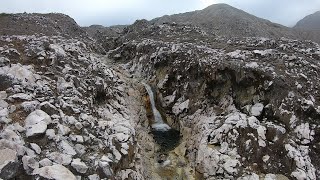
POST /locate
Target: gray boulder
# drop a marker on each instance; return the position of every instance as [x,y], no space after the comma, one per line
[8,163]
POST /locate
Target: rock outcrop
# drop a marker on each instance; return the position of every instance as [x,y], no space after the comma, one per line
[245,106]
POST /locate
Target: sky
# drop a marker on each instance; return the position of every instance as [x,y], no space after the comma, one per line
[114,12]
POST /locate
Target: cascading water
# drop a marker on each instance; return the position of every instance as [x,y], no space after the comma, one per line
[158,124]
[168,161]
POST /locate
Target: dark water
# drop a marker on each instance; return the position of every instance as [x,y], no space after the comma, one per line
[167,140]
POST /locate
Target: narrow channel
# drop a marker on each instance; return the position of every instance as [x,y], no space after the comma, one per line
[168,160]
[158,123]
[165,136]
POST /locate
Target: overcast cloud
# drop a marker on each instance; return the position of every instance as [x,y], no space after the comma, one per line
[112,12]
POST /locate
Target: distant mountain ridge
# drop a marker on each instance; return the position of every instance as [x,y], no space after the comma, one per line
[226,20]
[310,22]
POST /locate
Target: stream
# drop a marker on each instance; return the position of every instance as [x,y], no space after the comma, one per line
[165,136]
[168,161]
[158,124]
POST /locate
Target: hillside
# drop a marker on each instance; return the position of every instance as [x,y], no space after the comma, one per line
[226,20]
[310,22]
[46,24]
[309,27]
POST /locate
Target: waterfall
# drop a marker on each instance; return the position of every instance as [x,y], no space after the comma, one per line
[158,124]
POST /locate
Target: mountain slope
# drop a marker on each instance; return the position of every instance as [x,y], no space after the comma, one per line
[309,27]
[310,22]
[226,20]
[47,24]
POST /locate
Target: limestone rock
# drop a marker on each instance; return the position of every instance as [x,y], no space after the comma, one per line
[94,177]
[36,123]
[8,163]
[55,172]
[60,158]
[179,107]
[80,166]
[45,162]
[35,147]
[29,164]
[67,148]
[256,109]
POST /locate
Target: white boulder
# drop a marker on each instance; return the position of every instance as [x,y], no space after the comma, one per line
[256,109]
[79,166]
[56,172]
[36,123]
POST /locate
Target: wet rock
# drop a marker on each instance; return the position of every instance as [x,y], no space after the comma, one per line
[79,166]
[56,172]
[8,163]
[36,123]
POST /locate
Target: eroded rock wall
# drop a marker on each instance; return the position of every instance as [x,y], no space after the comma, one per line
[247,107]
